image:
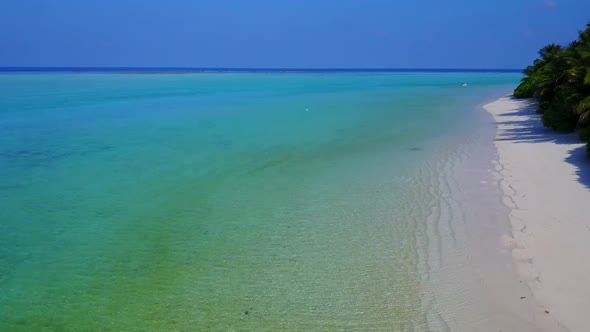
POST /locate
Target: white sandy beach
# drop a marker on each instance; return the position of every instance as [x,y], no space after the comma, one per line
[546,182]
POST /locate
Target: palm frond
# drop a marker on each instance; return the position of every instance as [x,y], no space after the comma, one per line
[583,106]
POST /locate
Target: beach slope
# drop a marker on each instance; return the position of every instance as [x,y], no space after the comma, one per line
[546,182]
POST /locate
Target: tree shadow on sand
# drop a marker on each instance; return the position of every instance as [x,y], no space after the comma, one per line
[529,129]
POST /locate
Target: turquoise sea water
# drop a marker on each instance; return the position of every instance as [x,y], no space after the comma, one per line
[221,202]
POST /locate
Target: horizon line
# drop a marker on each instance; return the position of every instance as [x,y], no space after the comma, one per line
[90,69]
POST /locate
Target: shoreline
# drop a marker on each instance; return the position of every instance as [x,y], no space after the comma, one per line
[545,179]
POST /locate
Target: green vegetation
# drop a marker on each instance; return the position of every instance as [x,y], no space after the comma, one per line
[560,81]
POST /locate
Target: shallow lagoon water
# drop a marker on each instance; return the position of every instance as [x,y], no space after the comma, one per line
[245,201]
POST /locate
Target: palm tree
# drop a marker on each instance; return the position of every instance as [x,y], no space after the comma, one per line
[560,80]
[578,59]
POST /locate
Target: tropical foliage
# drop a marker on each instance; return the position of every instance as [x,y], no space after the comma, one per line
[560,81]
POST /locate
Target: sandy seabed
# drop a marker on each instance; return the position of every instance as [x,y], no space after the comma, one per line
[546,183]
